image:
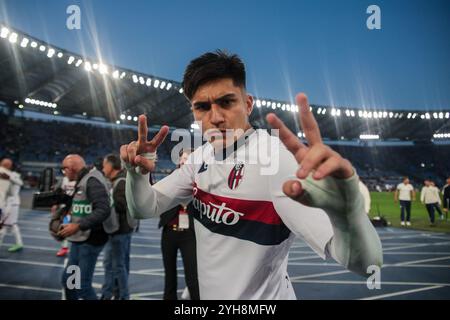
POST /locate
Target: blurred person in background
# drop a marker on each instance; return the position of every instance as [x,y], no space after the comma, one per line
[90,208]
[405,193]
[11,203]
[117,250]
[429,196]
[446,197]
[68,186]
[179,234]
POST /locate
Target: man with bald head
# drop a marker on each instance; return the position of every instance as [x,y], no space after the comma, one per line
[11,182]
[89,209]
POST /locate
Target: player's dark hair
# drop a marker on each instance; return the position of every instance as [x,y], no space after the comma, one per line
[212,66]
[114,160]
[404,178]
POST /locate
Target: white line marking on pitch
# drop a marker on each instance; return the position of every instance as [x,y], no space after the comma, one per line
[399,293]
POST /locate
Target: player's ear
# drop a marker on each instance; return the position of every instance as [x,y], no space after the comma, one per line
[249,104]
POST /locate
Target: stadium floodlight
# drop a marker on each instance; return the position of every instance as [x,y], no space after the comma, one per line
[4,32]
[148,83]
[141,80]
[129,118]
[87,66]
[135,78]
[347,113]
[414,115]
[20,106]
[319,111]
[369,136]
[24,42]
[156,83]
[422,116]
[135,119]
[70,60]
[427,116]
[60,55]
[13,37]
[447,115]
[55,113]
[42,48]
[409,115]
[122,116]
[79,62]
[301,134]
[102,68]
[115,74]
[27,100]
[181,90]
[95,66]
[435,115]
[333,112]
[352,113]
[283,106]
[274,106]
[288,107]
[50,52]
[263,103]
[258,103]
[169,85]
[278,105]
[323,111]
[441,115]
[33,44]
[163,85]
[122,75]
[117,122]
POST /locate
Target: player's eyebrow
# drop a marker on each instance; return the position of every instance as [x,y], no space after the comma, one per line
[218,100]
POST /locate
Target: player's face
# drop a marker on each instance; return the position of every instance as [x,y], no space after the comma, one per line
[69,170]
[406,181]
[107,168]
[222,109]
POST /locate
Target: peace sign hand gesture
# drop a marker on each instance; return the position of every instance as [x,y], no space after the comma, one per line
[132,153]
[317,158]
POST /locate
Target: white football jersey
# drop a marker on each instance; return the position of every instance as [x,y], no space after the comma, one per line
[244,223]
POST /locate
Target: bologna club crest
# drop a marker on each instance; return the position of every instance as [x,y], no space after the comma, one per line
[236,175]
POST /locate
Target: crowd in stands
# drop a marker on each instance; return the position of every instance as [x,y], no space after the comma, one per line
[31,140]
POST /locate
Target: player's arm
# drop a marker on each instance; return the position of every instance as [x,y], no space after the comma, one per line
[422,195]
[327,181]
[16,179]
[413,194]
[144,200]
[396,195]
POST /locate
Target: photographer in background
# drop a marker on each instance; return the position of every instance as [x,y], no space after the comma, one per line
[90,208]
[117,251]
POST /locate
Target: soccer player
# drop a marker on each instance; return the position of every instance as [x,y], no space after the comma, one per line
[429,196]
[446,197]
[11,211]
[405,192]
[246,218]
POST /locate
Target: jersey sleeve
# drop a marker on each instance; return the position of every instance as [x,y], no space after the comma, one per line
[147,201]
[311,224]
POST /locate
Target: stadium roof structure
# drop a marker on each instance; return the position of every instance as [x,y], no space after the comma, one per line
[37,76]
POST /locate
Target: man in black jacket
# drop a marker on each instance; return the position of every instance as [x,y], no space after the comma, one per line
[117,250]
[89,209]
[178,233]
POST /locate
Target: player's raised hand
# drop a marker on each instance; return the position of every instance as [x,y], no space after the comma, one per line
[132,153]
[316,158]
